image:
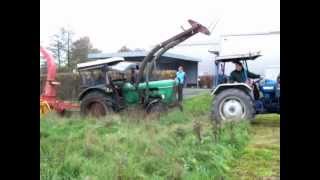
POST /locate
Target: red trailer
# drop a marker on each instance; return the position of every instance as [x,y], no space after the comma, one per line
[48,98]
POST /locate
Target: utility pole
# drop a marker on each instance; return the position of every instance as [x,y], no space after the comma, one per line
[68,49]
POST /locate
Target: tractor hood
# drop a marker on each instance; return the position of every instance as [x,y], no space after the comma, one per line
[158,84]
[162,84]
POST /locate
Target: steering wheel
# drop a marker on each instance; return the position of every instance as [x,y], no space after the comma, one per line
[257,80]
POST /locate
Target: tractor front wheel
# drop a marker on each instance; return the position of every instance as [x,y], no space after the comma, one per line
[157,107]
[231,105]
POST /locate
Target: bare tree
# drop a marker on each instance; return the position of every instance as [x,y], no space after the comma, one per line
[61,46]
[124,49]
[68,41]
[80,50]
[56,48]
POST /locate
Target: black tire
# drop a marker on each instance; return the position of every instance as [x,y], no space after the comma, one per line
[96,104]
[241,98]
[157,107]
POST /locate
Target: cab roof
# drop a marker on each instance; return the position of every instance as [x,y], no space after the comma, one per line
[100,62]
[238,57]
[123,66]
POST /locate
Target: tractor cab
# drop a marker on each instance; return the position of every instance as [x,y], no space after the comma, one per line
[221,61]
[111,73]
[107,76]
[242,100]
[95,73]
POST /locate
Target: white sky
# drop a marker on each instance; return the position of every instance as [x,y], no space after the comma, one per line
[110,24]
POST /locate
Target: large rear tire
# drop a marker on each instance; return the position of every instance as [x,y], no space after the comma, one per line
[232,105]
[96,104]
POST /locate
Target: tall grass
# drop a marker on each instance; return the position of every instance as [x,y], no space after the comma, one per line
[179,145]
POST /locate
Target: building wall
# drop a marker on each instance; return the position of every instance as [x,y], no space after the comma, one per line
[190,67]
[268,45]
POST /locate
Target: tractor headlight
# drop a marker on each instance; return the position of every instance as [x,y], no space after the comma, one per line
[162,96]
[268,88]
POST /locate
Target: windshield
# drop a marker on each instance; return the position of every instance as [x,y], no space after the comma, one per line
[272,73]
[123,66]
[92,77]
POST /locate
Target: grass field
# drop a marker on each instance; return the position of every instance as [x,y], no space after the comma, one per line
[261,157]
[178,145]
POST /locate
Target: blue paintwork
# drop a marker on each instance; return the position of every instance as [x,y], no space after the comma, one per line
[271,97]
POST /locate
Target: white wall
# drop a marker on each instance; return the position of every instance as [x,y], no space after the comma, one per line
[206,65]
[268,45]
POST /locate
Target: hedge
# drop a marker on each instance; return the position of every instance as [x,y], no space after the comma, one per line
[69,87]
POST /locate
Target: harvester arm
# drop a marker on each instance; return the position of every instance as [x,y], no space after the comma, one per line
[170,43]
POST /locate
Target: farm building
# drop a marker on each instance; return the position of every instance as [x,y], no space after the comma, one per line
[168,61]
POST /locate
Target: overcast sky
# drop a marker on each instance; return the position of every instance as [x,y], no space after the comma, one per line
[111,24]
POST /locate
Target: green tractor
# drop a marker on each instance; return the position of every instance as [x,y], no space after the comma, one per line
[111,85]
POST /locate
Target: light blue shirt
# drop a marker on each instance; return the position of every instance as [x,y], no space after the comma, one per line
[180,77]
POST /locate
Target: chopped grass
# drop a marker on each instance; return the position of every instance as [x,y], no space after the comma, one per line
[261,157]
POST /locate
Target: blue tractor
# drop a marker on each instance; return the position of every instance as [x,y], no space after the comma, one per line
[234,100]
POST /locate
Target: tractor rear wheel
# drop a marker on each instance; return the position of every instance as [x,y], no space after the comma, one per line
[96,104]
[231,105]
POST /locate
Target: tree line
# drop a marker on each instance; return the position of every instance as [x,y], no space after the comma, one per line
[69,52]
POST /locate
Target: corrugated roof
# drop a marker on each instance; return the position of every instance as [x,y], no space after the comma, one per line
[139,54]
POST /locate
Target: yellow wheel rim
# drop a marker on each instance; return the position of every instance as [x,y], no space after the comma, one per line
[44,108]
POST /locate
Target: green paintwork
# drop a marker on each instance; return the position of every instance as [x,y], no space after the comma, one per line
[157,88]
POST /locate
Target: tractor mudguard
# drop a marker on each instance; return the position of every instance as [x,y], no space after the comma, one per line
[102,89]
[243,86]
[152,102]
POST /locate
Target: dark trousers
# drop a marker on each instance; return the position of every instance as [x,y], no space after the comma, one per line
[180,92]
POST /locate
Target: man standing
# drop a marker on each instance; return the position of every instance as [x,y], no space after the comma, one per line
[180,78]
